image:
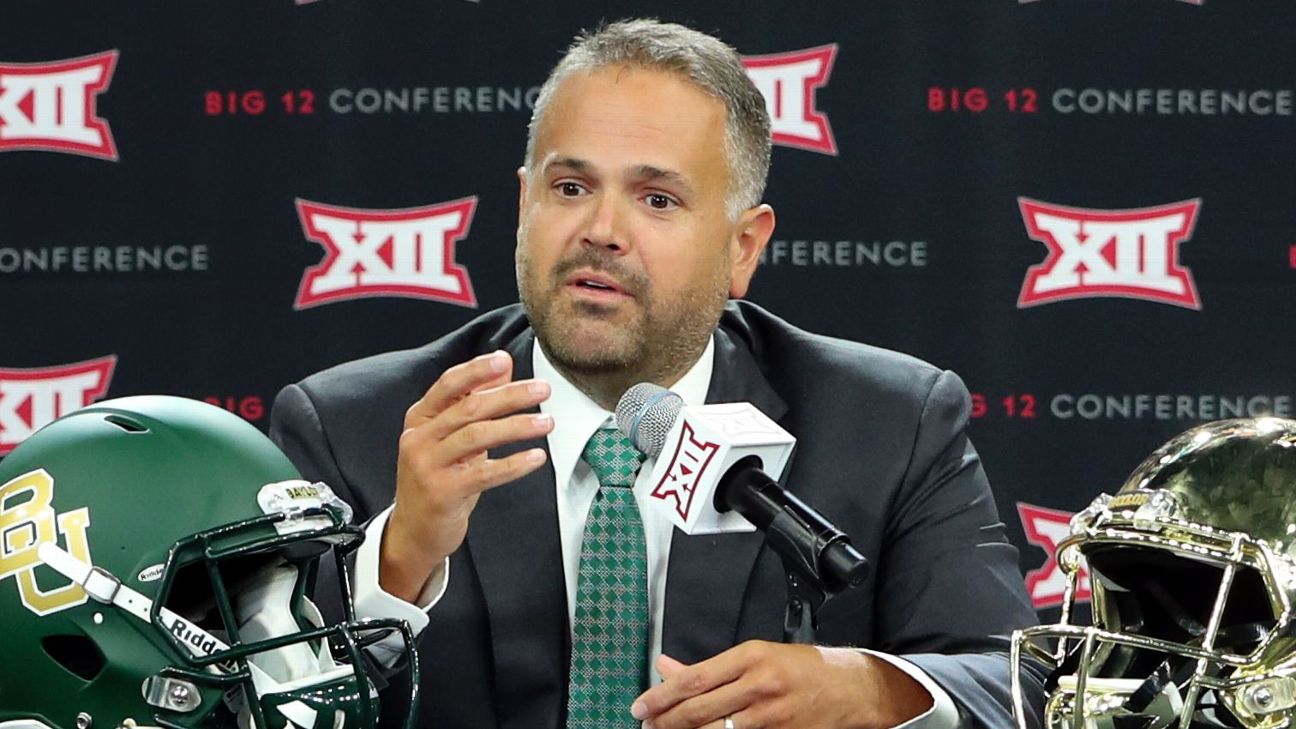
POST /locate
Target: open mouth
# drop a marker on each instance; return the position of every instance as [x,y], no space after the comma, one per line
[596,285]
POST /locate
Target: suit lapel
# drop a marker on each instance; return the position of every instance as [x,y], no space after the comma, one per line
[707,574]
[514,546]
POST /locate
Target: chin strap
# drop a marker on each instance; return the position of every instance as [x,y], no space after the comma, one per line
[97,582]
[1169,673]
[104,587]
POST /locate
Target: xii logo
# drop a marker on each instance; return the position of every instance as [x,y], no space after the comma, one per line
[51,106]
[407,252]
[1045,528]
[1110,253]
[27,520]
[788,81]
[687,464]
[32,398]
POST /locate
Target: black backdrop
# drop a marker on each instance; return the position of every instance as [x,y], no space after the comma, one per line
[165,249]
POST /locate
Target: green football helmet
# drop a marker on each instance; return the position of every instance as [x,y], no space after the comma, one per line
[1193,572]
[156,555]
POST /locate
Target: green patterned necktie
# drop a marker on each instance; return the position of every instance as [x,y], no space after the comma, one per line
[609,658]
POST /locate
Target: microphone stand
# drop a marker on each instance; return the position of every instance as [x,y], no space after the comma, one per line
[800,621]
[807,586]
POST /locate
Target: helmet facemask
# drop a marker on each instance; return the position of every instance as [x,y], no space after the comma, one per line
[233,605]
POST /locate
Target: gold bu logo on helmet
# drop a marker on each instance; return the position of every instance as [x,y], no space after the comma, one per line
[28,520]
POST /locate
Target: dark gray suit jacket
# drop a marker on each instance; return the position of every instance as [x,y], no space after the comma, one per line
[881,452]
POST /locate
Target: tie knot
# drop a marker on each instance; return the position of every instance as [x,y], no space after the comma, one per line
[613,457]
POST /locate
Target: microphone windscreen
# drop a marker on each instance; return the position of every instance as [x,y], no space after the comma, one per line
[645,415]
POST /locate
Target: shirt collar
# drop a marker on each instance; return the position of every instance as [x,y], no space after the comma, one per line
[576,416]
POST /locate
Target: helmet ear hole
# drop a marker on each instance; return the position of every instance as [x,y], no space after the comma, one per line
[77,654]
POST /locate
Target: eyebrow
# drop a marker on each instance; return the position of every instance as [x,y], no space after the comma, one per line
[641,172]
[571,163]
[648,172]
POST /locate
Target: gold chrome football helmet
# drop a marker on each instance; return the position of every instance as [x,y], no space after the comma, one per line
[1193,571]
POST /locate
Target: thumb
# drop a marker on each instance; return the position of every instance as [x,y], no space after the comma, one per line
[667,666]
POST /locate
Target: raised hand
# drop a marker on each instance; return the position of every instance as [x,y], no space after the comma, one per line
[443,465]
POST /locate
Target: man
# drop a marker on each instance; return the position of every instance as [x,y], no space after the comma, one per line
[639,217]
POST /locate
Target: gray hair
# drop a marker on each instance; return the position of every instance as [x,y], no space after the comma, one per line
[710,64]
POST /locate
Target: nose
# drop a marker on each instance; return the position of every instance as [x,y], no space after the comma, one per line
[605,228]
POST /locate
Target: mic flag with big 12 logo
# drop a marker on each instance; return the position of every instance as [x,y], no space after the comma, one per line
[695,446]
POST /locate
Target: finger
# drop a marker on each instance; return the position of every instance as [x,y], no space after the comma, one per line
[707,709]
[487,473]
[457,382]
[667,666]
[691,681]
[749,717]
[474,439]
[490,402]
[421,444]
[422,450]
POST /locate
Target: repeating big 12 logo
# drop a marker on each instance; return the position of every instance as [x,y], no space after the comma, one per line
[788,81]
[1045,528]
[1118,253]
[32,398]
[51,106]
[403,252]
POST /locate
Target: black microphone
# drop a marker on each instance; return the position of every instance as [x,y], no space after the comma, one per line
[654,418]
[794,528]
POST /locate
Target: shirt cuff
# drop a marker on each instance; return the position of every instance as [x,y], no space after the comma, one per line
[371,601]
[942,714]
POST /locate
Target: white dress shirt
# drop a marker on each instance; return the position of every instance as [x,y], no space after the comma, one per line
[576,418]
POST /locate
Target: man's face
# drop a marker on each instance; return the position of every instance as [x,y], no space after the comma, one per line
[625,252]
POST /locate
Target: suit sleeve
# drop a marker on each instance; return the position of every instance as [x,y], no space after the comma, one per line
[950,588]
[295,427]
